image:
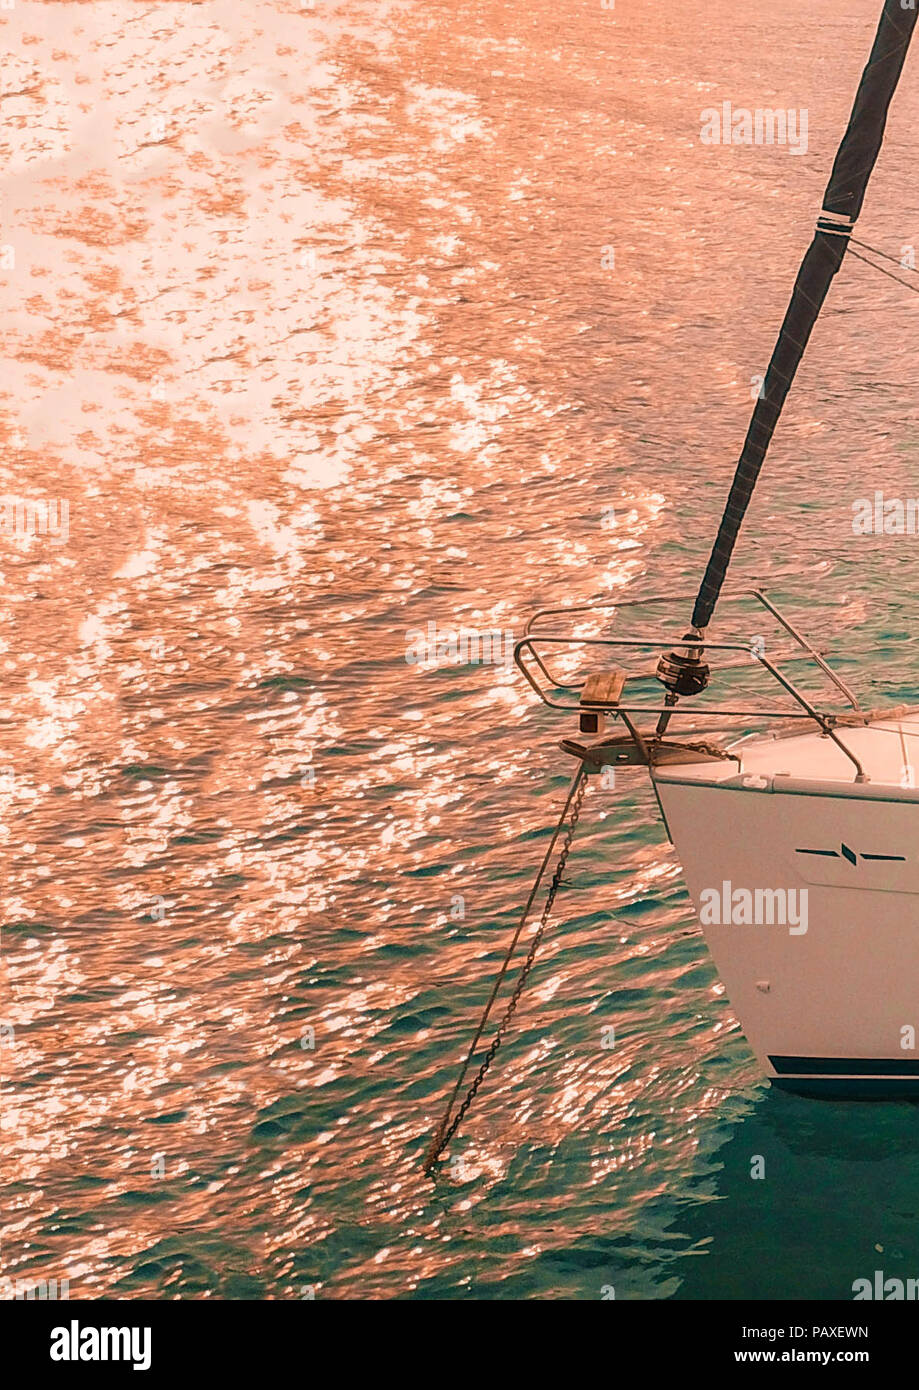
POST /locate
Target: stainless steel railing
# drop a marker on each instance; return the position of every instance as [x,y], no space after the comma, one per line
[825,720]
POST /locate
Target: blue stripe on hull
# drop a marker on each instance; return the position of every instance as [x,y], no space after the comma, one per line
[848,1078]
[849,1088]
[846,1066]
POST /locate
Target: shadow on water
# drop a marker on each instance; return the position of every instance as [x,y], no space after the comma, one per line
[838,1199]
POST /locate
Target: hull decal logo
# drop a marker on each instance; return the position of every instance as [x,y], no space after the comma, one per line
[845,852]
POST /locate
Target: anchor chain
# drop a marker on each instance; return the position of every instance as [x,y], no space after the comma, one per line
[448,1127]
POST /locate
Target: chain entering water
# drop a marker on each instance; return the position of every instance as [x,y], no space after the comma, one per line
[448,1127]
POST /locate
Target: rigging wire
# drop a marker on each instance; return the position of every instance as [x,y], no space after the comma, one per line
[886,254]
[914,289]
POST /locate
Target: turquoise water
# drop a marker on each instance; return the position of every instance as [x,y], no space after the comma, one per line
[260,869]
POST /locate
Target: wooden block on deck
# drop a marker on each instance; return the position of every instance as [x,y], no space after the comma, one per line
[603,690]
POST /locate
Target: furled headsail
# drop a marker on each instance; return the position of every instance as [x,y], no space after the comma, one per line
[683,672]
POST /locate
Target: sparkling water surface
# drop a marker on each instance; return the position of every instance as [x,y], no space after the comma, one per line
[330,322]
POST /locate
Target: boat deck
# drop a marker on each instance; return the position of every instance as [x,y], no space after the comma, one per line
[887,748]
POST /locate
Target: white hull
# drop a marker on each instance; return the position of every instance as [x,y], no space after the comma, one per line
[830,1002]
